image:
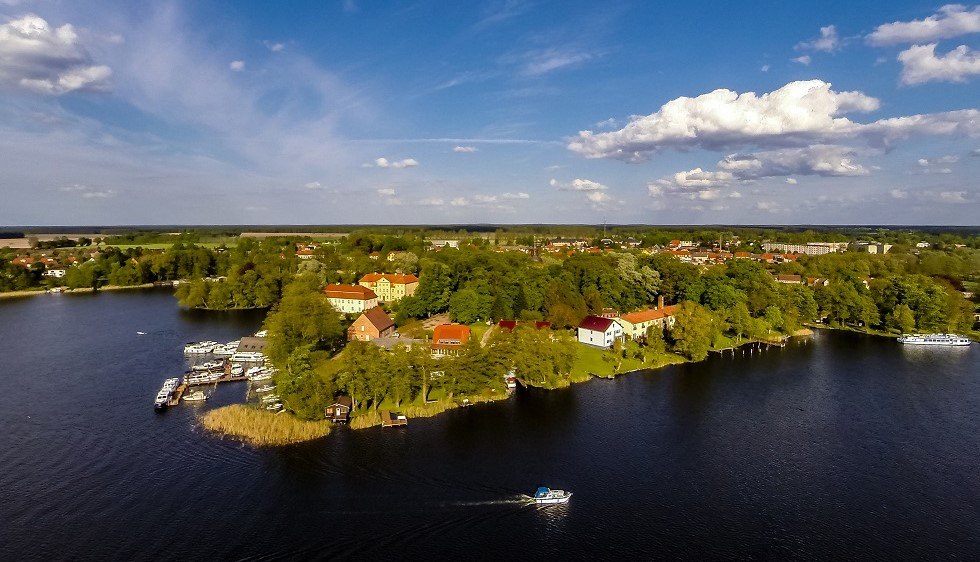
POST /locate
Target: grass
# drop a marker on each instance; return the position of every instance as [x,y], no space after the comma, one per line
[418,409]
[262,428]
[593,361]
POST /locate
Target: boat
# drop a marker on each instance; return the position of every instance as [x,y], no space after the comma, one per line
[209,366]
[933,339]
[261,377]
[162,399]
[199,348]
[274,407]
[237,371]
[140,333]
[266,388]
[196,396]
[547,496]
[262,333]
[248,357]
[202,378]
[224,351]
[270,398]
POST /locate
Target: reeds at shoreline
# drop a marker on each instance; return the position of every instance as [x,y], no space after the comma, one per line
[262,428]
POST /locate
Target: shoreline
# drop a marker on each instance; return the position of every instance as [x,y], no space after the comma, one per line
[83,290]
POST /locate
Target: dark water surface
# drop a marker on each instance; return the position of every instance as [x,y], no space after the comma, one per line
[843,446]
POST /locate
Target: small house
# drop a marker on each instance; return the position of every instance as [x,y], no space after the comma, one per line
[339,411]
[599,331]
[448,339]
[372,324]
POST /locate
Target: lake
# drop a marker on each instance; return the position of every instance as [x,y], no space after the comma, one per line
[837,446]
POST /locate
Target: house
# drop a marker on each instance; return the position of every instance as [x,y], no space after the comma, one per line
[390,286]
[817,281]
[448,339]
[922,244]
[252,344]
[790,279]
[350,299]
[339,411]
[304,254]
[56,272]
[635,324]
[599,331]
[371,325]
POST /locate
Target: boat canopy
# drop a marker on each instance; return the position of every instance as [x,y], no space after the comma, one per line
[542,492]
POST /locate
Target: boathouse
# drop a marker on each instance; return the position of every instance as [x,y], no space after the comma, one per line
[339,411]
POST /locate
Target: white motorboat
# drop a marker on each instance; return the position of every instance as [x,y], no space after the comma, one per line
[262,333]
[248,357]
[237,371]
[199,348]
[162,399]
[209,366]
[196,396]
[270,398]
[261,377]
[266,388]
[547,496]
[934,339]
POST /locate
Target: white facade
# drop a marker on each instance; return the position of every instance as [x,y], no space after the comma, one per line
[353,306]
[601,339]
[59,273]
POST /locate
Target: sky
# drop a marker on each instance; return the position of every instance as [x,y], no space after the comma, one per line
[494,111]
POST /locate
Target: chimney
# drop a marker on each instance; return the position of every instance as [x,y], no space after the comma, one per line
[660,302]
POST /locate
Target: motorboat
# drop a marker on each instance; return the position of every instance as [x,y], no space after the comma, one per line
[237,371]
[162,399]
[266,388]
[209,366]
[274,407]
[248,357]
[200,348]
[262,333]
[196,396]
[934,339]
[262,377]
[270,398]
[547,496]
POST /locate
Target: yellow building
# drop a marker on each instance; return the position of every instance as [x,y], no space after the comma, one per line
[390,286]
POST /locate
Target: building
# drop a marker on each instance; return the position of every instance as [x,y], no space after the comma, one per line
[873,247]
[448,339]
[922,244]
[810,248]
[252,344]
[635,324]
[789,279]
[372,324]
[339,411]
[390,286]
[57,272]
[599,331]
[350,299]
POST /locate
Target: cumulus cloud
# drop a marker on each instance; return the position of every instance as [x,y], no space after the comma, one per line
[938,165]
[791,181]
[385,163]
[899,194]
[518,195]
[920,64]
[48,60]
[953,196]
[464,149]
[432,202]
[976,152]
[274,46]
[951,20]
[313,185]
[804,60]
[770,206]
[765,68]
[386,192]
[698,178]
[607,124]
[797,114]
[237,65]
[820,160]
[828,41]
[578,185]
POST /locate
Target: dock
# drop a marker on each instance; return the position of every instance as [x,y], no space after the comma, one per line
[389,419]
[177,394]
[224,378]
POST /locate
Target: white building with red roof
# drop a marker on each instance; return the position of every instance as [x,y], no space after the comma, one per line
[599,331]
[350,299]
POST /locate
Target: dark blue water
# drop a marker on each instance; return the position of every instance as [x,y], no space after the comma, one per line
[843,446]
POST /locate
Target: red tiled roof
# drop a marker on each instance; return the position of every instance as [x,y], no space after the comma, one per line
[596,323]
[650,314]
[789,278]
[508,325]
[395,278]
[449,334]
[337,291]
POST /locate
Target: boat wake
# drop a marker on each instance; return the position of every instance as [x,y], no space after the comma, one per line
[519,499]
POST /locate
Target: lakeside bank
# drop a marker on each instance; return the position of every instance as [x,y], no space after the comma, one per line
[82,290]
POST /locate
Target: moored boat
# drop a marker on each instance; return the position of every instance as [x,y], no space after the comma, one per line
[166,392]
[266,388]
[547,496]
[196,396]
[934,339]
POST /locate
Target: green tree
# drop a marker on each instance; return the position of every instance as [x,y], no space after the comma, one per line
[693,331]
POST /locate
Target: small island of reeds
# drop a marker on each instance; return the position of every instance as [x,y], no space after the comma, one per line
[262,428]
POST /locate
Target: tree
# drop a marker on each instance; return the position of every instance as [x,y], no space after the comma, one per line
[468,306]
[902,319]
[693,331]
[303,318]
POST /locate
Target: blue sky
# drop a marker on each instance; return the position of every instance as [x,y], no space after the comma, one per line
[500,111]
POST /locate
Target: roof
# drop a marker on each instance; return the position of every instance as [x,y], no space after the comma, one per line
[508,325]
[789,278]
[650,314]
[337,291]
[379,318]
[252,343]
[596,323]
[449,334]
[395,278]
[343,400]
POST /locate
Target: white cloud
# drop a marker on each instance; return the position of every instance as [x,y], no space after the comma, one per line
[518,195]
[951,20]
[578,185]
[88,192]
[432,202]
[273,46]
[386,192]
[828,41]
[975,152]
[313,185]
[791,181]
[820,160]
[464,149]
[48,60]
[948,159]
[804,60]
[920,64]
[698,178]
[953,196]
[385,163]
[544,61]
[237,65]
[602,201]
[899,194]
[770,206]
[607,124]
[765,68]
[797,114]
[459,202]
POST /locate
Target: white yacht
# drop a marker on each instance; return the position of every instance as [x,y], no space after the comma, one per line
[248,357]
[200,348]
[266,388]
[934,339]
[162,399]
[547,496]
[196,396]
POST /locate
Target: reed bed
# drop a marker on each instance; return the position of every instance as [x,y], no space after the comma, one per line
[371,418]
[262,428]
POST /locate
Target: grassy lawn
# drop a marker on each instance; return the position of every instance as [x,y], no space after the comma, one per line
[477,330]
[593,361]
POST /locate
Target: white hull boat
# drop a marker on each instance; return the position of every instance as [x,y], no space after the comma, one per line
[934,339]
[547,496]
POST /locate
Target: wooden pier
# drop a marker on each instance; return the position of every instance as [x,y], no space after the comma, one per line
[176,395]
[389,419]
[224,378]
